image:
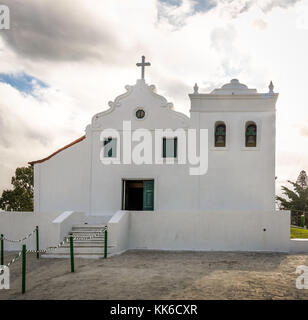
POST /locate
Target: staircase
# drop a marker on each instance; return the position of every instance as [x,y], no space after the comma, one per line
[92,248]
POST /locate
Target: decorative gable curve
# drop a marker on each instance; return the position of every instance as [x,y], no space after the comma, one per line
[138,95]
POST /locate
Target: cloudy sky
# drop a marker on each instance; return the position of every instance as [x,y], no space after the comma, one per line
[62,61]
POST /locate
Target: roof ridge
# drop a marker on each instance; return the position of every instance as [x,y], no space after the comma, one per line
[58,151]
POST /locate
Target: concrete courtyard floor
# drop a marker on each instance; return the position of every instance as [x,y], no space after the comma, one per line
[161,275]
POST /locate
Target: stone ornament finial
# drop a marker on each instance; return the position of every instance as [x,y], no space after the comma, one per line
[196,89]
[271,87]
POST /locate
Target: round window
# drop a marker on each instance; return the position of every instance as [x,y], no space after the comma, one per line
[140,113]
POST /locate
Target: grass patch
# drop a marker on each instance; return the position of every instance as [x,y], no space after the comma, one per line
[299,233]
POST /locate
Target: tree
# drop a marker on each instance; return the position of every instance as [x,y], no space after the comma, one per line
[302,179]
[296,200]
[21,197]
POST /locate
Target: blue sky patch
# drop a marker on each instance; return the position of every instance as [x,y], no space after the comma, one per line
[22,82]
[172,2]
[198,5]
[204,5]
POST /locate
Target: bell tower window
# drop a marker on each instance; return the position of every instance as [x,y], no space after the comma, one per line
[220,135]
[251,135]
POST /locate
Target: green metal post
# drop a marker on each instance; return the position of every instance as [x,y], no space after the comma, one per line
[105,244]
[302,220]
[37,242]
[23,284]
[2,250]
[72,253]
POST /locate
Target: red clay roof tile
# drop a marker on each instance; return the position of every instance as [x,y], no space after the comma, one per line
[53,154]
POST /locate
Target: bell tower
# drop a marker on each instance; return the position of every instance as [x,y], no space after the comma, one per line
[241,131]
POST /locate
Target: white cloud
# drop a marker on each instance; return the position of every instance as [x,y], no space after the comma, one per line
[86,52]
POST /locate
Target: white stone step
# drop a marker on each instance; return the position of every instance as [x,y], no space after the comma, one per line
[87,234]
[88,241]
[88,226]
[81,250]
[79,256]
[86,245]
[78,253]
[79,229]
[88,231]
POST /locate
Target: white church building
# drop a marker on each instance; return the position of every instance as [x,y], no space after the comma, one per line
[158,196]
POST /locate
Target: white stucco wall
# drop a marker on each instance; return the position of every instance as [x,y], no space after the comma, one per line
[16,225]
[219,231]
[118,236]
[239,178]
[53,227]
[63,223]
[205,231]
[298,246]
[62,182]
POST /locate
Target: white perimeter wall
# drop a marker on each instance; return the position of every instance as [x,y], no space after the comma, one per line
[219,231]
[16,225]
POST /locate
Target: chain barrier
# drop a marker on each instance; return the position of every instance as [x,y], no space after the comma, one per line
[67,239]
[75,238]
[96,235]
[24,251]
[20,240]
[14,259]
[49,248]
[35,251]
[16,212]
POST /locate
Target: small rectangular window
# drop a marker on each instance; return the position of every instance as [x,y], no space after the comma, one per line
[110,148]
[170,147]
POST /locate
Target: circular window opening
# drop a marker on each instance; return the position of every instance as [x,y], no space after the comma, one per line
[140,113]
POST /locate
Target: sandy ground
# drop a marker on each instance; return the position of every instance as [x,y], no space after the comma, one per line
[161,275]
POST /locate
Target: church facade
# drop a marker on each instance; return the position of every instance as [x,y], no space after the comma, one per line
[170,203]
[241,157]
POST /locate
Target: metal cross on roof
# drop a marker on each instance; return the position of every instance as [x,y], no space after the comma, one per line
[143,64]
